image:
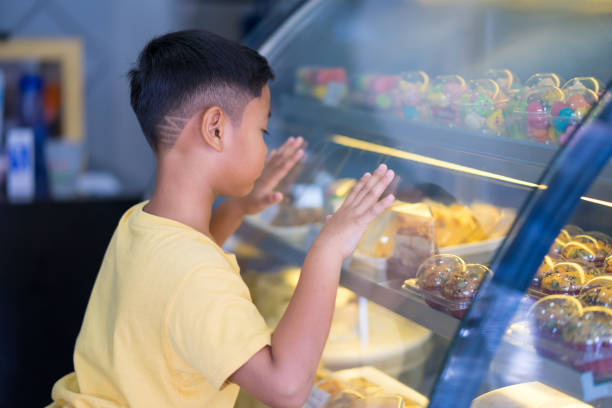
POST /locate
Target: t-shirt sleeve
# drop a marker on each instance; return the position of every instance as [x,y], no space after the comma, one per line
[213,324]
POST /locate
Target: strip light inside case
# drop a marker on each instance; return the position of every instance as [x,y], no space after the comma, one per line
[390,151]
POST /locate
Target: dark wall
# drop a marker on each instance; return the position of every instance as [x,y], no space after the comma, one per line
[49,257]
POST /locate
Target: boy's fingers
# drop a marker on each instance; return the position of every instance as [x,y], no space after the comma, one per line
[357,188]
[286,151]
[379,207]
[282,169]
[376,178]
[373,191]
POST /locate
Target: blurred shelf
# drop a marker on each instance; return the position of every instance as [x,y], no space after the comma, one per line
[521,159]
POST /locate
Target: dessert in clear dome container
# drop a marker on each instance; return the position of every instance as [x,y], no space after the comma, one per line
[604,242]
[481,106]
[545,269]
[443,97]
[460,288]
[580,252]
[413,87]
[588,339]
[597,292]
[584,249]
[549,315]
[581,93]
[433,274]
[529,115]
[566,278]
[563,238]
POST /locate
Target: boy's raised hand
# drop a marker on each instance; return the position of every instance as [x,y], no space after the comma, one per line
[343,230]
[278,164]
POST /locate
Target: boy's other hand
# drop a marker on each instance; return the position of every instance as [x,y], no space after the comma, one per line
[343,230]
[278,164]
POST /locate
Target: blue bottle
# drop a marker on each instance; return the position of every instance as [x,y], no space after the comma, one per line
[32,116]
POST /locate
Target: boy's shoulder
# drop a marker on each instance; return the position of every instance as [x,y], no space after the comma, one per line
[164,238]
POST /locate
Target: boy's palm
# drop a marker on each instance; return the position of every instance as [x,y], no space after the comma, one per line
[278,165]
[345,227]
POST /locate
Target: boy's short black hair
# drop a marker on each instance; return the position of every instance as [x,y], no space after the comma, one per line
[181,73]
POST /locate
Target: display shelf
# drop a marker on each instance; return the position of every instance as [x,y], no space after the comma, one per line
[516,158]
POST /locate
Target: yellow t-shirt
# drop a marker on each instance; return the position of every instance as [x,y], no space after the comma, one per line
[168,321]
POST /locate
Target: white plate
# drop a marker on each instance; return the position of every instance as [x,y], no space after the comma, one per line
[390,385]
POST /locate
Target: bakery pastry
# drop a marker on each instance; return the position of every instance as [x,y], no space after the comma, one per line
[414,240]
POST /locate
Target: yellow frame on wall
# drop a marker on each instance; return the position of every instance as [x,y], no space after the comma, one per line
[67,52]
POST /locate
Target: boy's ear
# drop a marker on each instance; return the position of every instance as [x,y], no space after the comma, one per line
[212,127]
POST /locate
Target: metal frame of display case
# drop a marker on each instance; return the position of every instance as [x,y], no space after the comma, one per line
[528,158]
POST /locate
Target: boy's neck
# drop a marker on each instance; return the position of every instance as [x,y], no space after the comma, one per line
[179,200]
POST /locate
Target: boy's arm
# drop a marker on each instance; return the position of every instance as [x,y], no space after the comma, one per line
[228,215]
[282,374]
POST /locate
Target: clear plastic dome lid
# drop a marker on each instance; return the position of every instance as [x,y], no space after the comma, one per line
[551,313]
[573,230]
[543,80]
[506,79]
[435,270]
[464,284]
[597,292]
[592,329]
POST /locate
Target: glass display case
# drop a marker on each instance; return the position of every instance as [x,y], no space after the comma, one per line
[488,281]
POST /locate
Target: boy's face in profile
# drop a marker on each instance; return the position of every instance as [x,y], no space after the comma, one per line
[248,152]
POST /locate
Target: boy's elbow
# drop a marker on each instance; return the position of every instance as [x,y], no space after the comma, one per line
[291,392]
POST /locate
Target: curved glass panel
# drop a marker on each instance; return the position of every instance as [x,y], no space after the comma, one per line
[468,103]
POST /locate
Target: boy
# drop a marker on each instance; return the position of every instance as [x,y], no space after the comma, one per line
[170,323]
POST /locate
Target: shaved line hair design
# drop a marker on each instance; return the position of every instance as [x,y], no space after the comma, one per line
[183,73]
